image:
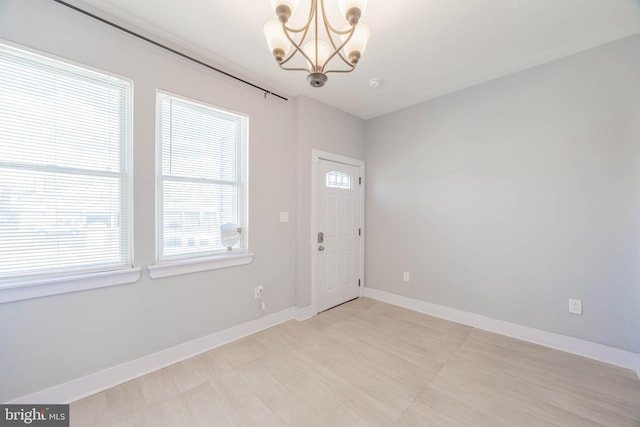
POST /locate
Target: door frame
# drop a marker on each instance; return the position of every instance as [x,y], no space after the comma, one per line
[317,155]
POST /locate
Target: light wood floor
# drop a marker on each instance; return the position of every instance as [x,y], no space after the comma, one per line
[367,363]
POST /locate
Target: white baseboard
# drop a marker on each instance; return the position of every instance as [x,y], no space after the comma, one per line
[603,353]
[110,377]
[304,313]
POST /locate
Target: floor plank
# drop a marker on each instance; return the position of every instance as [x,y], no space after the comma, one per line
[366,363]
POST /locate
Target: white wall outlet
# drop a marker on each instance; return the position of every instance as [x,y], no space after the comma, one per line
[284,216]
[575,306]
[258,291]
[406,276]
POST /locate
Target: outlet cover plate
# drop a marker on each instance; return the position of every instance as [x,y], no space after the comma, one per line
[575,306]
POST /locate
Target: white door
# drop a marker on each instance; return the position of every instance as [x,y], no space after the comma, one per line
[339,233]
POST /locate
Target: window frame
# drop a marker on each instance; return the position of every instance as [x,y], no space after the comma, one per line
[191,263]
[340,179]
[61,282]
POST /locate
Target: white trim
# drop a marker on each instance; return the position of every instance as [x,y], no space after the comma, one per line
[67,284]
[193,265]
[110,377]
[603,353]
[317,155]
[304,313]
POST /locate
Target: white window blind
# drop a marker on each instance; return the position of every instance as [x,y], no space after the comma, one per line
[202,185]
[64,168]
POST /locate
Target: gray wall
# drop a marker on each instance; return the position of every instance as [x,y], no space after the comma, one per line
[509,198]
[47,341]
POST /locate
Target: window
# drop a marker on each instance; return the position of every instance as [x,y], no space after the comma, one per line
[65,182]
[202,189]
[64,169]
[337,179]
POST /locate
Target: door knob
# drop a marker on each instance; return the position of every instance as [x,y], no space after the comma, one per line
[321,248]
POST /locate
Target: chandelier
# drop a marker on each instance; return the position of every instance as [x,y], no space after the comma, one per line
[320,45]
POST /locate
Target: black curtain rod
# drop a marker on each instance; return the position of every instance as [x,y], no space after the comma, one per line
[167,48]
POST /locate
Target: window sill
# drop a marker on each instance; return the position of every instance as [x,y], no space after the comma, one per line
[175,268]
[67,284]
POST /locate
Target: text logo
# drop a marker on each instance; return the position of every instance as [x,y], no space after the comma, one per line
[34,415]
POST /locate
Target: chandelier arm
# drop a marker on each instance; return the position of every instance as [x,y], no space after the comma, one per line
[337,50]
[328,29]
[294,69]
[331,32]
[296,30]
[346,61]
[340,53]
[297,47]
[339,31]
[317,54]
[353,67]
[305,27]
[328,25]
[287,60]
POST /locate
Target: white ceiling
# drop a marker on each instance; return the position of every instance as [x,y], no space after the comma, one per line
[419,49]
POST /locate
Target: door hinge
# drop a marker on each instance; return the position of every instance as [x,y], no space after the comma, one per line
[359,180]
[359,283]
[359,231]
